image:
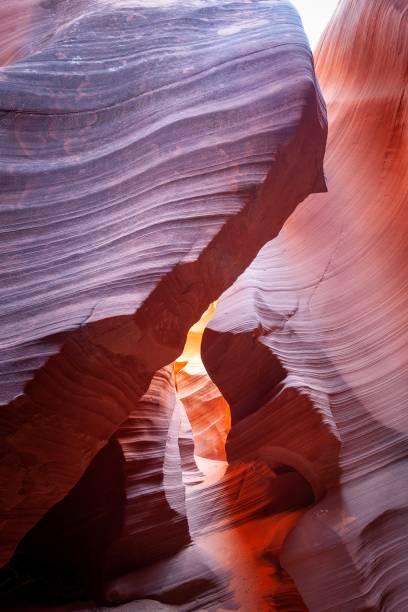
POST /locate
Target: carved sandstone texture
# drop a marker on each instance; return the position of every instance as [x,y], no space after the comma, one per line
[129,529]
[225,509]
[208,412]
[147,154]
[205,407]
[328,298]
[122,531]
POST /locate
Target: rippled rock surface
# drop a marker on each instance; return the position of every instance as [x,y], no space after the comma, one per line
[327,300]
[148,152]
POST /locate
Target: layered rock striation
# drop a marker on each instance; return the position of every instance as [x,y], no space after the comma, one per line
[327,302]
[148,152]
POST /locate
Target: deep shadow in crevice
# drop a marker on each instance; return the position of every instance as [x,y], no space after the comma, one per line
[54,562]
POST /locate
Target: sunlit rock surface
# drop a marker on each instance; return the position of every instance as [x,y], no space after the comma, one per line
[208,413]
[327,299]
[206,409]
[148,151]
[157,515]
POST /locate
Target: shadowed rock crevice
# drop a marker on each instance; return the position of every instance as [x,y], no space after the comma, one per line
[55,562]
[139,185]
[122,532]
[162,545]
[153,159]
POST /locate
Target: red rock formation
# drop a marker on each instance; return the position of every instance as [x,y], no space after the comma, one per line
[18,19]
[241,519]
[206,409]
[327,298]
[148,153]
[123,528]
[208,413]
[227,505]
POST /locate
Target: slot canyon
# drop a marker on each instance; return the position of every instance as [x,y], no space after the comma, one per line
[204,307]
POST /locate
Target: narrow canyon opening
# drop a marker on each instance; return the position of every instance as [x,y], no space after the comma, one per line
[240,511]
[157,156]
[163,491]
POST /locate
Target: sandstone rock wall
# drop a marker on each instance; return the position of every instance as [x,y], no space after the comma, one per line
[148,152]
[328,299]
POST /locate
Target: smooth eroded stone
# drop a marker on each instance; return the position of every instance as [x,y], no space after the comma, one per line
[148,152]
[207,411]
[328,298]
[126,513]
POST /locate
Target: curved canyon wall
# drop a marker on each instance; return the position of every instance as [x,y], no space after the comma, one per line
[151,152]
[326,303]
[148,152]
[122,531]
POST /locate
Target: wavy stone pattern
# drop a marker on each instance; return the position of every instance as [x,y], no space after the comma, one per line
[154,522]
[225,508]
[328,299]
[122,532]
[290,430]
[190,473]
[206,410]
[241,519]
[21,25]
[148,152]
[129,529]
[208,413]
